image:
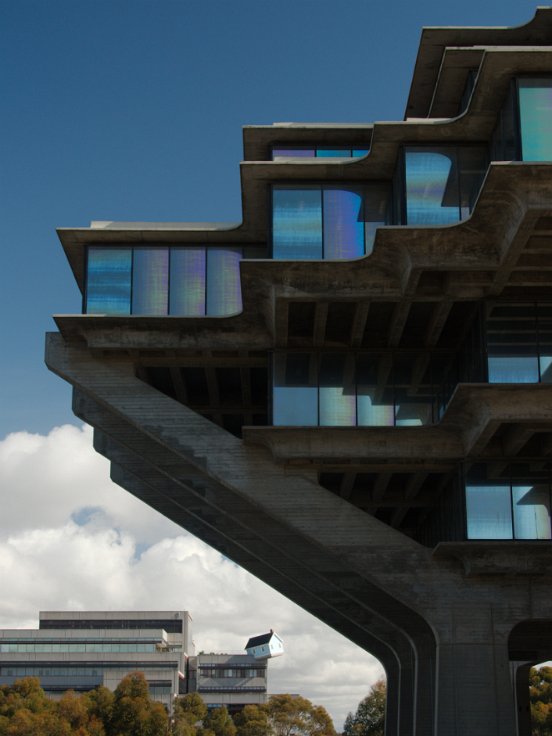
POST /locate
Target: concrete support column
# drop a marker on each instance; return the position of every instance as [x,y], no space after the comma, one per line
[475,692]
[523,704]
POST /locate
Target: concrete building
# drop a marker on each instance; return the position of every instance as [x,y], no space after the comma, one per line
[232,680]
[81,650]
[349,393]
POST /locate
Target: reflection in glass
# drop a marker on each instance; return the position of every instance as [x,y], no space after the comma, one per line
[343,226]
[431,188]
[187,290]
[531,512]
[297,223]
[374,391]
[295,394]
[223,281]
[292,153]
[489,512]
[535,114]
[150,281]
[337,391]
[108,280]
[513,369]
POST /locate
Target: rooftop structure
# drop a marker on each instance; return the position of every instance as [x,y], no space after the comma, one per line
[350,392]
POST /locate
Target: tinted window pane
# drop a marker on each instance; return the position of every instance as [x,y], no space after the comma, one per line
[531,512]
[150,281]
[293,152]
[295,396]
[513,369]
[535,112]
[337,391]
[360,152]
[223,281]
[333,152]
[297,223]
[187,292]
[343,225]
[108,280]
[374,391]
[489,513]
[431,187]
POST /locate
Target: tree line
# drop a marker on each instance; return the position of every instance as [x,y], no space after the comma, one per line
[25,710]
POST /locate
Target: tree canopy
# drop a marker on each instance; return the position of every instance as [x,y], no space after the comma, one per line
[369,719]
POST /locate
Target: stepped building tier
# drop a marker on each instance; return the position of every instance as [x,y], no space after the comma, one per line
[350,392]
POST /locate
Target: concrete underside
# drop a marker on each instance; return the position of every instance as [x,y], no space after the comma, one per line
[442,634]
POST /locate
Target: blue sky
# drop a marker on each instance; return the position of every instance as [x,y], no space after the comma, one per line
[132,110]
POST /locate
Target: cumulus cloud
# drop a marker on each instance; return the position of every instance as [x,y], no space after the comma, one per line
[71,539]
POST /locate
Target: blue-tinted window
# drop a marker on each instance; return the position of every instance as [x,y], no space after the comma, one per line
[512,343]
[343,224]
[188,278]
[531,506]
[318,152]
[326,222]
[179,281]
[297,223]
[295,393]
[108,282]
[347,390]
[150,281]
[441,184]
[223,281]
[508,501]
[489,511]
[337,401]
[535,116]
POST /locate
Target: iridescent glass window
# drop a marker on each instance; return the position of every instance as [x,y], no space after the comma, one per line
[223,281]
[181,281]
[535,115]
[343,224]
[108,281]
[326,222]
[150,281]
[188,279]
[441,183]
[297,223]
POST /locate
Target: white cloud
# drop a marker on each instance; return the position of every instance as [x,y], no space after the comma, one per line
[71,539]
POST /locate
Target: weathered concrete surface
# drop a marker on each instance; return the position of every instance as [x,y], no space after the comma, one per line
[452,630]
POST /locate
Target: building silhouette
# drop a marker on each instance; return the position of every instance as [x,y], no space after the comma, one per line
[349,393]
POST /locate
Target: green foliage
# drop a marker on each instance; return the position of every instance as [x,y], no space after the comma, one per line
[252,720]
[218,722]
[369,719]
[189,709]
[540,696]
[292,715]
[26,711]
